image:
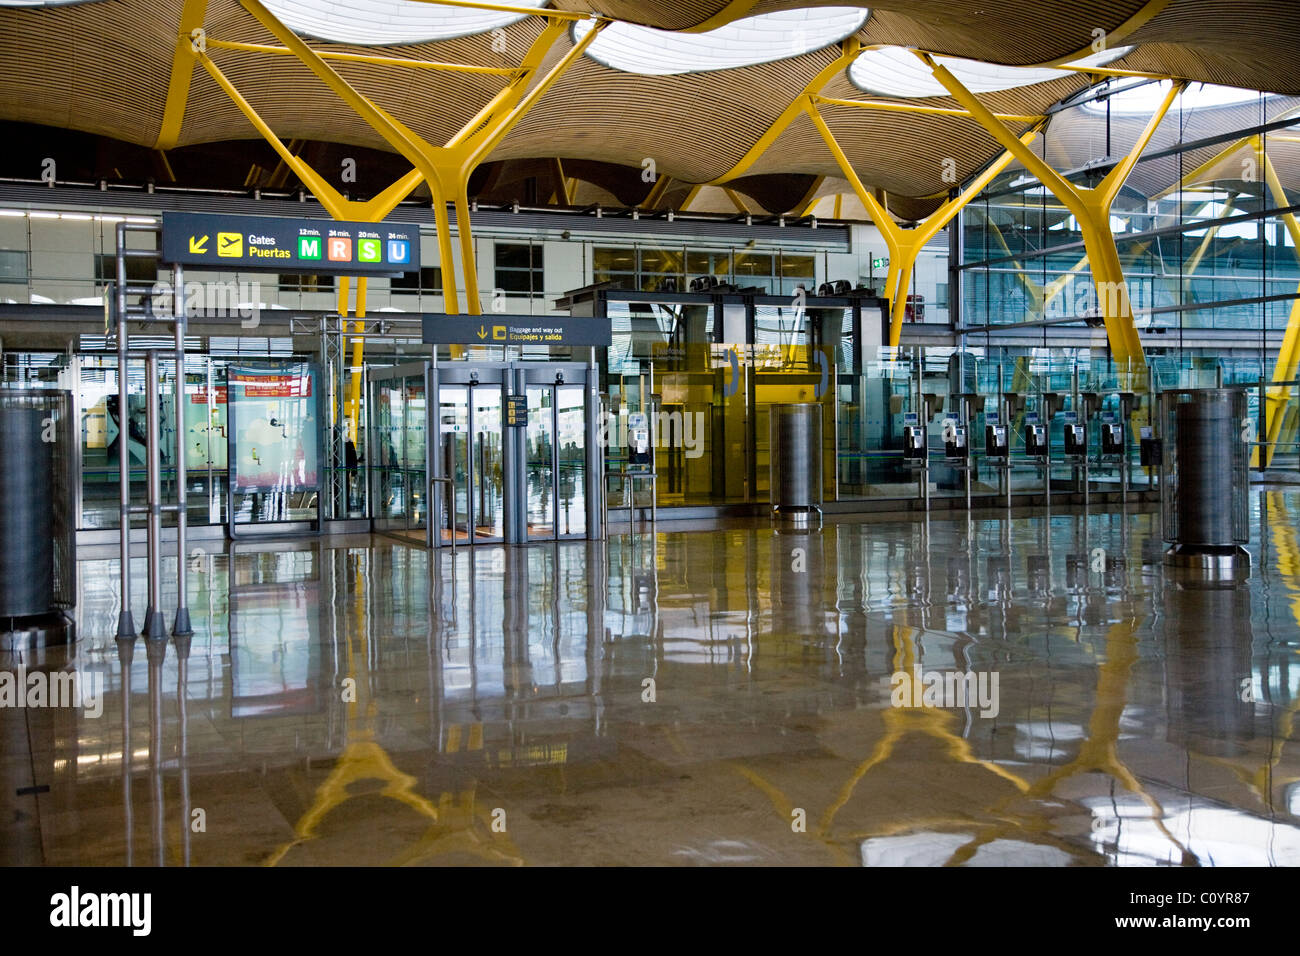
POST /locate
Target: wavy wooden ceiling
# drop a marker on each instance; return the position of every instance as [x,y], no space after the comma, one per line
[103,67]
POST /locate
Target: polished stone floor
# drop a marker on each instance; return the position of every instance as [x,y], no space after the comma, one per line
[732,696]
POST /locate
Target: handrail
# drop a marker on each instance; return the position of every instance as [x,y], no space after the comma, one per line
[435,480]
[629,477]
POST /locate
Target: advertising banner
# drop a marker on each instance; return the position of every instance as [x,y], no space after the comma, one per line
[276,422]
[205,426]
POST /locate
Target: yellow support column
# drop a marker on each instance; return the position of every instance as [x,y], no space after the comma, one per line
[1288,356]
[448,168]
[352,410]
[849,51]
[905,244]
[1091,209]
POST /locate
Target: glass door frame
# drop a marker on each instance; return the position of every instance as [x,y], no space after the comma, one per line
[514,378]
[377,379]
[554,376]
[479,375]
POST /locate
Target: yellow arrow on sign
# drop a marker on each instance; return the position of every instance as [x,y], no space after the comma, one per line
[482,332]
[198,246]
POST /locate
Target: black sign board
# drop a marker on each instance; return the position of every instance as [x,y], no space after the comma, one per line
[555,330]
[516,410]
[273,244]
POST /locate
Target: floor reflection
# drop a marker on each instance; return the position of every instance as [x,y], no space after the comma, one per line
[734,696]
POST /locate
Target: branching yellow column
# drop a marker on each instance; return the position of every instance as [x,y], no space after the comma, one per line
[447,168]
[1288,356]
[905,244]
[849,51]
[1091,208]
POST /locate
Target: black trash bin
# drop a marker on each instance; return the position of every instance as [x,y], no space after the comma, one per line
[37,544]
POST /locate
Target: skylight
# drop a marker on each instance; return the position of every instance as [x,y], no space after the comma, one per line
[896,71]
[1198,96]
[760,39]
[385,22]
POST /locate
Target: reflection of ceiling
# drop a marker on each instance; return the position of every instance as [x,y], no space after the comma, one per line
[104,68]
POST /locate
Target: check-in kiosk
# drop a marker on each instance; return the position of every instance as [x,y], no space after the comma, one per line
[1036,445]
[638,439]
[1013,404]
[995,437]
[1076,437]
[956,449]
[955,445]
[1114,439]
[913,438]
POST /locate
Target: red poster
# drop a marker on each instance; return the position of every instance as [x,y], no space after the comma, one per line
[273,386]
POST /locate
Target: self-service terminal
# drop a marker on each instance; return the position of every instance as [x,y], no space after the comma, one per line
[1036,445]
[1112,438]
[955,445]
[638,440]
[995,437]
[914,439]
[1076,436]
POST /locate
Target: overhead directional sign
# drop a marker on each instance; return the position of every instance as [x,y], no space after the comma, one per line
[273,244]
[555,330]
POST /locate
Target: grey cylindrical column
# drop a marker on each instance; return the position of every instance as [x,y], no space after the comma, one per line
[26,514]
[181,624]
[125,621]
[433,454]
[512,463]
[796,440]
[1207,435]
[595,474]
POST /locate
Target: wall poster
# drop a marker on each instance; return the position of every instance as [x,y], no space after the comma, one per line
[275,429]
[205,425]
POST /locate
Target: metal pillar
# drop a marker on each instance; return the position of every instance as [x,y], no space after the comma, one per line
[125,622]
[596,484]
[181,624]
[154,628]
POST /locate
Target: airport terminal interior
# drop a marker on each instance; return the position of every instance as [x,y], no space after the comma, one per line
[706,432]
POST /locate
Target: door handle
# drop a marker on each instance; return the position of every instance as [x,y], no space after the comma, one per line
[447,481]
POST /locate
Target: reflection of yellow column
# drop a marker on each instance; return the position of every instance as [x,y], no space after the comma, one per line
[1097,753]
[456,824]
[898,722]
[1264,781]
